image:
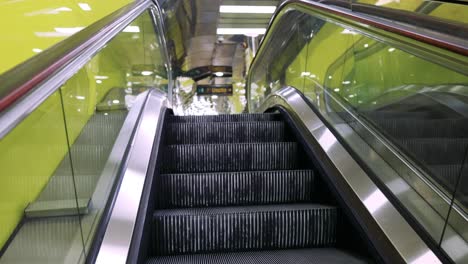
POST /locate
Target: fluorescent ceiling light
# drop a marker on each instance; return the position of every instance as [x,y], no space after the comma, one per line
[84,6]
[59,32]
[347,31]
[247,9]
[146,73]
[241,31]
[70,30]
[132,29]
[49,11]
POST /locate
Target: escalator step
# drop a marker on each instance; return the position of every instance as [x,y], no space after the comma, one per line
[446,175]
[230,157]
[63,187]
[225,118]
[101,129]
[227,132]
[404,128]
[436,150]
[87,159]
[234,188]
[290,256]
[224,229]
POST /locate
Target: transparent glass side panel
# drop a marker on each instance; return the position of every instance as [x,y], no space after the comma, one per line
[97,100]
[35,164]
[455,240]
[60,163]
[449,11]
[280,57]
[411,110]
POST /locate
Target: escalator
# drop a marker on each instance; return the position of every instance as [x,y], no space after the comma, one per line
[432,134]
[323,169]
[239,189]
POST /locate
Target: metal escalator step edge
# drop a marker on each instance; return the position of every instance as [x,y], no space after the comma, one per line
[226,118]
[289,256]
[55,208]
[234,188]
[230,157]
[225,132]
[224,229]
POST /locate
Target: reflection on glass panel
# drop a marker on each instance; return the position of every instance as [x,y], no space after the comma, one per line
[413,111]
[97,100]
[408,5]
[56,176]
[32,152]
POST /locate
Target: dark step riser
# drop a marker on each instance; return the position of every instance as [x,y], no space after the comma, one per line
[193,133]
[240,188]
[181,234]
[225,118]
[229,157]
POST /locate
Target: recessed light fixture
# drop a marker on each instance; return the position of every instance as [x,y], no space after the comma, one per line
[68,30]
[247,9]
[241,31]
[146,73]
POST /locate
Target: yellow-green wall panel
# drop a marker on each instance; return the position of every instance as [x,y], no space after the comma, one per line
[29,155]
[30,26]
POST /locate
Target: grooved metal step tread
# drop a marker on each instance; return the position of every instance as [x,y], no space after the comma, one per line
[225,132]
[63,187]
[230,157]
[436,150]
[225,118]
[234,188]
[447,175]
[224,229]
[421,128]
[289,256]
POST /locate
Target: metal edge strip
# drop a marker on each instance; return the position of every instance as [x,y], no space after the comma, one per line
[118,236]
[50,79]
[392,235]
